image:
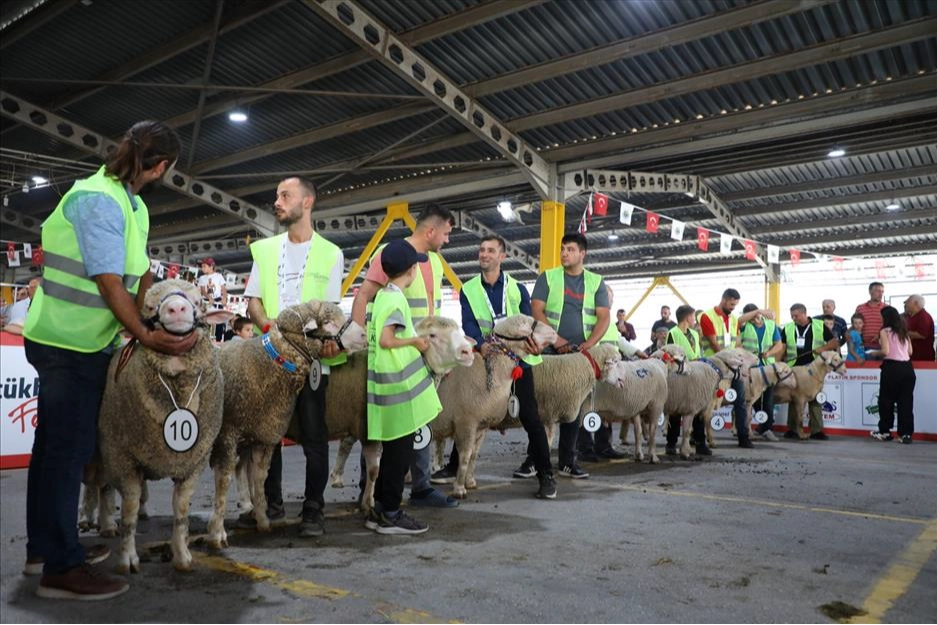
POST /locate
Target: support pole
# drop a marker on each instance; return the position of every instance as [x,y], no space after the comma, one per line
[552,224]
[656,282]
[773,295]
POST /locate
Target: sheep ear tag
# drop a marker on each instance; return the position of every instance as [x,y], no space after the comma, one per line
[180,430]
[315,375]
[731,395]
[422,438]
[514,406]
[760,417]
[592,422]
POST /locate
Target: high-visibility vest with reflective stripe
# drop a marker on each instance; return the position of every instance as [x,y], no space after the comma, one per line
[691,348]
[720,328]
[68,310]
[480,305]
[401,395]
[556,284]
[750,339]
[790,333]
[417,296]
[322,257]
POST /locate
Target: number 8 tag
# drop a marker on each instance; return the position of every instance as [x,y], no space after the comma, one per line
[422,437]
[180,430]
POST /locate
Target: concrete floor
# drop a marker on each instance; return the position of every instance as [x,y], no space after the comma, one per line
[764,535]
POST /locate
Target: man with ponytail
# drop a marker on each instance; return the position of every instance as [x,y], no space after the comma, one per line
[96,274]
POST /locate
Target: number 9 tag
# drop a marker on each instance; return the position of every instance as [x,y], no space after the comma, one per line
[422,437]
[180,430]
[592,422]
[315,375]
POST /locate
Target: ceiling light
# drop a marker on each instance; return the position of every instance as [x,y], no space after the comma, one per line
[505,209]
[893,206]
[835,153]
[39,180]
[613,237]
[25,187]
[238,116]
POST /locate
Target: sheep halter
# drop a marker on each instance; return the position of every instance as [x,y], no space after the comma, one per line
[595,366]
[277,356]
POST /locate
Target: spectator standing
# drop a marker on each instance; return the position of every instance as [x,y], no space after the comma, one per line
[214,289]
[920,328]
[855,349]
[663,322]
[839,324]
[897,381]
[625,328]
[871,311]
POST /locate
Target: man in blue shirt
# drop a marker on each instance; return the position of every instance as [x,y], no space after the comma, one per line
[766,401]
[494,283]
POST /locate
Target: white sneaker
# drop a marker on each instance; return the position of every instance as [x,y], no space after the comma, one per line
[769,435]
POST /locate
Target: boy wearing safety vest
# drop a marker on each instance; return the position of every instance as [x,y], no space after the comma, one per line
[806,338]
[683,335]
[401,394]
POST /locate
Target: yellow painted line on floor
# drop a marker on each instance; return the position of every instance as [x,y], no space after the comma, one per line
[770,504]
[299,587]
[898,579]
[407,615]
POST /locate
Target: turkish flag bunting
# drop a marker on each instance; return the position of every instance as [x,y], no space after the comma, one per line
[37,255]
[173,271]
[750,250]
[918,268]
[601,204]
[653,221]
[702,239]
[838,263]
[795,257]
[880,269]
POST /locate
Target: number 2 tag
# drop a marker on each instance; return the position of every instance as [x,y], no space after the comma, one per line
[180,430]
[592,422]
[422,437]
[760,417]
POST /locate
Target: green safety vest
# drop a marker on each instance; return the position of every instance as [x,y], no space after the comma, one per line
[677,337]
[68,311]
[401,395]
[713,316]
[790,333]
[322,256]
[416,293]
[553,310]
[750,339]
[481,306]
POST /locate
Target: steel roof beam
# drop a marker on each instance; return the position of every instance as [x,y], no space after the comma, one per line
[93,143]
[21,221]
[860,198]
[34,20]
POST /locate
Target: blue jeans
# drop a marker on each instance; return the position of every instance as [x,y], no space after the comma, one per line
[71,385]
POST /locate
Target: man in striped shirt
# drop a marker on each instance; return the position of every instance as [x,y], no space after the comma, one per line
[871,312]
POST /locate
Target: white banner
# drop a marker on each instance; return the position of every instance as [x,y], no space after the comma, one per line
[627,211]
[18,405]
[676,230]
[725,243]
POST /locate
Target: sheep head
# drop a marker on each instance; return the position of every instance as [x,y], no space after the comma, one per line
[448,346]
[314,322]
[516,329]
[673,356]
[834,361]
[747,359]
[785,375]
[177,307]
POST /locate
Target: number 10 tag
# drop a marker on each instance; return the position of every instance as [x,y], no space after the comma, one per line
[180,430]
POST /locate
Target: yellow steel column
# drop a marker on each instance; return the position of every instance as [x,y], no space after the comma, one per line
[552,225]
[773,297]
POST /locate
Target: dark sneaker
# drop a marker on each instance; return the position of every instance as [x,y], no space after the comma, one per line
[791,434]
[444,476]
[395,523]
[819,436]
[547,486]
[880,436]
[703,450]
[526,469]
[587,456]
[670,451]
[745,445]
[432,499]
[82,583]
[906,439]
[573,471]
[275,512]
[93,555]
[611,453]
[313,523]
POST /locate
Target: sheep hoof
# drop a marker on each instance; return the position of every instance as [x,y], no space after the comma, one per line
[183,565]
[338,483]
[684,456]
[654,459]
[639,457]
[86,526]
[459,494]
[472,486]
[217,543]
[108,532]
[264,528]
[129,566]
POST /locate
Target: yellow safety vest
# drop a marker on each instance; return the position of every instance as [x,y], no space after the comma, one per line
[677,337]
[556,284]
[417,295]
[720,328]
[790,333]
[481,306]
[750,339]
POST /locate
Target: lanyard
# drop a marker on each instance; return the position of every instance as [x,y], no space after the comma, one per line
[302,271]
[504,300]
[801,335]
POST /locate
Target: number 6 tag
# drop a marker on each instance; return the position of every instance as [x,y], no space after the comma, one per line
[422,437]
[592,422]
[180,430]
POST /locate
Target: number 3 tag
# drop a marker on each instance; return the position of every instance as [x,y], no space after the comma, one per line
[422,437]
[180,430]
[514,406]
[731,394]
[592,422]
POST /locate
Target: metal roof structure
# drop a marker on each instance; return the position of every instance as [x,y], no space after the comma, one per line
[748,96]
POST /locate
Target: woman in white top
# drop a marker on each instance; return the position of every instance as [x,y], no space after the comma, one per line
[896,384]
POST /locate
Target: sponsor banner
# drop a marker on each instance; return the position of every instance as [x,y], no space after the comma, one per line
[18,403]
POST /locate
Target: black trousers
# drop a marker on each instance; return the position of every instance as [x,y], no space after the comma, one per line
[896,385]
[603,439]
[766,403]
[314,435]
[395,462]
[673,431]
[538,448]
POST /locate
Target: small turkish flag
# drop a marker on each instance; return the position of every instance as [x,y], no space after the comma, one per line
[838,263]
[37,255]
[795,257]
[880,269]
[918,268]
[702,239]
[653,221]
[601,204]
[750,250]
[173,271]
